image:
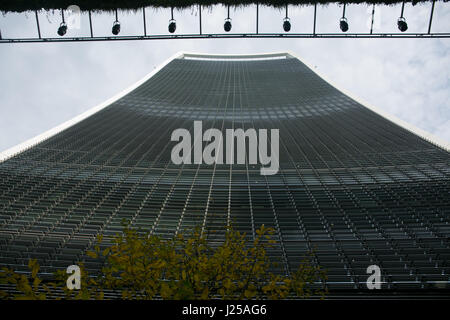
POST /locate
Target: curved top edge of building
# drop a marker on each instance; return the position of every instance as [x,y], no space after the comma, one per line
[223,57]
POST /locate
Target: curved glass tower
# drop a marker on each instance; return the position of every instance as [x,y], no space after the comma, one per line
[354,187]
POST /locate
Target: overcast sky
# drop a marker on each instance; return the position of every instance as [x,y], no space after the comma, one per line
[43,85]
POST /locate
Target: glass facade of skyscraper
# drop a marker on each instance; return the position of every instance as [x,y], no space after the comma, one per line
[352,187]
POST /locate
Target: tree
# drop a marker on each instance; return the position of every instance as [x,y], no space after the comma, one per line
[29,287]
[139,265]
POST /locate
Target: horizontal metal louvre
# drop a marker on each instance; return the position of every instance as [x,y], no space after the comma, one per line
[353,187]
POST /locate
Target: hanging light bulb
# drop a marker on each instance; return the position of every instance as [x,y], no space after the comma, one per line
[286,22]
[172,26]
[172,23]
[63,26]
[62,29]
[343,24]
[116,28]
[402,25]
[401,22]
[227,25]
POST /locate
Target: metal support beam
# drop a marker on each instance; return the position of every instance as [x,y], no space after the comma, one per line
[257,18]
[200,17]
[234,36]
[143,17]
[256,34]
[431,17]
[90,24]
[315,15]
[373,14]
[37,24]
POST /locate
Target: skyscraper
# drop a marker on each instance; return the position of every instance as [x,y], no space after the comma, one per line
[354,187]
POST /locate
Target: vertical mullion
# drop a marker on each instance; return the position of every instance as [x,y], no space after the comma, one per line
[143,17]
[431,17]
[200,17]
[315,15]
[37,24]
[90,24]
[257,18]
[373,13]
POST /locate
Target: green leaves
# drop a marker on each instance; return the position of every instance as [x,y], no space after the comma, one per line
[142,266]
[92,254]
[30,288]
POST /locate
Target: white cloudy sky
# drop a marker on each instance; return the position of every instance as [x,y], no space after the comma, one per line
[43,85]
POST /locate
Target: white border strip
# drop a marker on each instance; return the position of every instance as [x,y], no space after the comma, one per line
[242,57]
[411,128]
[235,59]
[47,134]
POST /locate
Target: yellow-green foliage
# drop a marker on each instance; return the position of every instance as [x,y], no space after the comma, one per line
[144,266]
[28,285]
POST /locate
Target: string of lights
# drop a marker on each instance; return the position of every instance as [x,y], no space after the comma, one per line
[344,26]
